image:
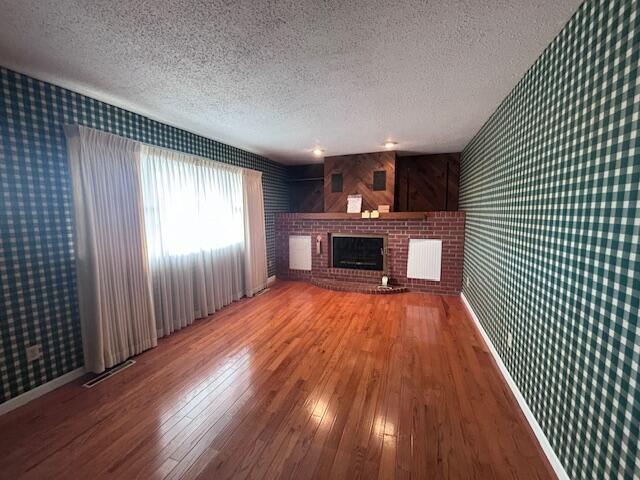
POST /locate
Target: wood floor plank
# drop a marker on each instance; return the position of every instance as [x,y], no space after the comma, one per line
[298,382]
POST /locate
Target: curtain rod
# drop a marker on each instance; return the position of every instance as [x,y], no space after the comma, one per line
[206,159]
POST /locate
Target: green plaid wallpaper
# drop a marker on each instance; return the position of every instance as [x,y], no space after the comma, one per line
[550,189]
[38,297]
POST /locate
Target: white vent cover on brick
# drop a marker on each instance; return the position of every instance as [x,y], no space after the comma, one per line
[300,252]
[425,258]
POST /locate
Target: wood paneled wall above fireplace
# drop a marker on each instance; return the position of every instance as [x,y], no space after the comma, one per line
[357,174]
[405,183]
[427,182]
[306,188]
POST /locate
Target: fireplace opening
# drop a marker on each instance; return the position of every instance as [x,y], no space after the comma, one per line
[360,252]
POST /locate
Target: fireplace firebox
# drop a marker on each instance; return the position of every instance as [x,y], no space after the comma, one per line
[359,252]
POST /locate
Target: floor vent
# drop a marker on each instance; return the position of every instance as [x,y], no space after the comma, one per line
[109,373]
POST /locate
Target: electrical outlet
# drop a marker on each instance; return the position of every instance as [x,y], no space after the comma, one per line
[34,352]
[509,340]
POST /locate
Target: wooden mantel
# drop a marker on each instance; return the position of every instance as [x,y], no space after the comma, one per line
[356,216]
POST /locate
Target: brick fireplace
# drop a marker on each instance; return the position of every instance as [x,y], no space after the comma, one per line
[396,228]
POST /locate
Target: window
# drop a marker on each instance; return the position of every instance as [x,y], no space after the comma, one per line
[190,206]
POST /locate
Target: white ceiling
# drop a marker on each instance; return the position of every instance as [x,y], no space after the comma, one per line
[278,77]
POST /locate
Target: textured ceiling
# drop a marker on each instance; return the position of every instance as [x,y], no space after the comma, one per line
[278,77]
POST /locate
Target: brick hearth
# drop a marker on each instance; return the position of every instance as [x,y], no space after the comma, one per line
[342,286]
[445,226]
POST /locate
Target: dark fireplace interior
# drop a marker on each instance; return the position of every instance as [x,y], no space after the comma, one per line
[357,252]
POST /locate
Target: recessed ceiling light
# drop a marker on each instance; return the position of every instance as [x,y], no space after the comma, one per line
[318,152]
[390,144]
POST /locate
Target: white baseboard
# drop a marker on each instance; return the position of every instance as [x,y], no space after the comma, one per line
[40,390]
[271,280]
[537,430]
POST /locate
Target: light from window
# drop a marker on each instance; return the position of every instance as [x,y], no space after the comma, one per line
[190,207]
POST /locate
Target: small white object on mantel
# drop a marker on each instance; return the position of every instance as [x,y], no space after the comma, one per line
[354,203]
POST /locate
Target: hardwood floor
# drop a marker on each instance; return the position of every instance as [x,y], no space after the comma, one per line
[299,383]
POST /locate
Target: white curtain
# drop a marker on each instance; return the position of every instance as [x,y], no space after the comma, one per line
[254,233]
[194,216]
[114,293]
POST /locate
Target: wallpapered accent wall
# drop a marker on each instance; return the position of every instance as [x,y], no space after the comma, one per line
[550,189]
[38,293]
